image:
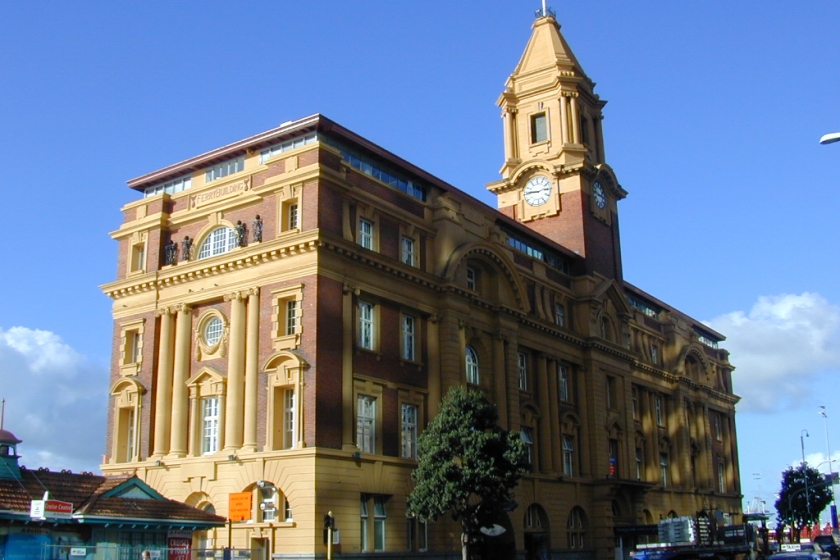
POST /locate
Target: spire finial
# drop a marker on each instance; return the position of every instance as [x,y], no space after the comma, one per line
[545,11]
[2,412]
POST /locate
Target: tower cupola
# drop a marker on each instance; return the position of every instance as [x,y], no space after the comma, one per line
[9,468]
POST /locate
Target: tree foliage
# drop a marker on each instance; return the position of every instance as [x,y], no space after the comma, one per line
[797,507]
[467,465]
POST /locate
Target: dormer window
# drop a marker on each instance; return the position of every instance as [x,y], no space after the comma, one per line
[224,169]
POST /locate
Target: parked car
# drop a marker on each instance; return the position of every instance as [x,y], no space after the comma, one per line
[801,555]
[830,544]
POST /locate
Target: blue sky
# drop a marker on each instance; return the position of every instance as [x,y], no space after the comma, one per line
[714,115]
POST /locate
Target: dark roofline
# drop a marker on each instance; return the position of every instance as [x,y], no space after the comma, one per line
[323,124]
[697,324]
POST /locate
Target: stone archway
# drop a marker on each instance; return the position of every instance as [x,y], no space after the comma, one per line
[537,533]
[496,544]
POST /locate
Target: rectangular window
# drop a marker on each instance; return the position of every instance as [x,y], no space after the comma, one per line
[523,371]
[138,257]
[563,382]
[422,535]
[170,187]
[366,424]
[366,233]
[559,315]
[127,429]
[584,130]
[527,437]
[268,502]
[407,250]
[364,516]
[224,169]
[657,407]
[568,456]
[472,279]
[639,463]
[292,215]
[291,317]
[288,419]
[408,352]
[210,424]
[366,325]
[539,128]
[287,509]
[408,448]
[654,353]
[378,523]
[634,395]
[663,469]
[132,347]
[613,450]
[717,426]
[281,147]
[721,476]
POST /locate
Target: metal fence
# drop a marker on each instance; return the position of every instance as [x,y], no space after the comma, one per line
[117,552]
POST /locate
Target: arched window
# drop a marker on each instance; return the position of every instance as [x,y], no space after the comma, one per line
[472,366]
[576,528]
[219,241]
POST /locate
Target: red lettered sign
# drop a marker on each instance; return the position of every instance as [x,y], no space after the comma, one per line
[55,508]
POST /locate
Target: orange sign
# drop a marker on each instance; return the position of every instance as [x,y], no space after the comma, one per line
[239,508]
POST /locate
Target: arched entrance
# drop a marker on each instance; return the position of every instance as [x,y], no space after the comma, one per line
[498,540]
[537,541]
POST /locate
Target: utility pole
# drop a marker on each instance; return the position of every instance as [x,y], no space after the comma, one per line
[830,472]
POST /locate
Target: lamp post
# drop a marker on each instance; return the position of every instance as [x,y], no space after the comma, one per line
[830,138]
[828,449]
[802,435]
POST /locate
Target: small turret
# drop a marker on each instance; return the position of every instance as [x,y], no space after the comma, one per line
[9,468]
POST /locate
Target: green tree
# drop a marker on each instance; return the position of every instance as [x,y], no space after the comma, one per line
[798,507]
[467,465]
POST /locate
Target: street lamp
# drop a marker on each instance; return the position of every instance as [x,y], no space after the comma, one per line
[802,435]
[830,138]
[827,444]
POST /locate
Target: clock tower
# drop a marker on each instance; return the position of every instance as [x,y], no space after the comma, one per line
[554,178]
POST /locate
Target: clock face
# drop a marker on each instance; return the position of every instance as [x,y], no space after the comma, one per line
[599,194]
[537,190]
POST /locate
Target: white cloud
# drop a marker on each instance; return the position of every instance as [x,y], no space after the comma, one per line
[56,400]
[780,348]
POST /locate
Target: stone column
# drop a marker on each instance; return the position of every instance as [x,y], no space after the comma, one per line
[499,382]
[512,380]
[163,390]
[651,431]
[180,399]
[545,430]
[554,415]
[236,366]
[433,365]
[575,124]
[348,405]
[600,140]
[565,125]
[195,425]
[510,133]
[252,353]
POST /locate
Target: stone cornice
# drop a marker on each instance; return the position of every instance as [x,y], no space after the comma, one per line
[253,255]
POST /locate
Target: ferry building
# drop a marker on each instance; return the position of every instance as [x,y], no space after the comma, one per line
[290,308]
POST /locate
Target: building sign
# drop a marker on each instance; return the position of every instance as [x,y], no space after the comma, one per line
[219,193]
[179,544]
[50,509]
[239,506]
